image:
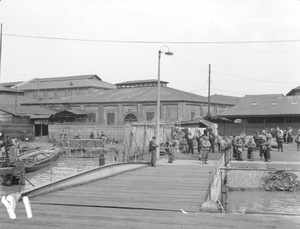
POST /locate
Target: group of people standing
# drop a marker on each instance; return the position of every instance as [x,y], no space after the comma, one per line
[207,142]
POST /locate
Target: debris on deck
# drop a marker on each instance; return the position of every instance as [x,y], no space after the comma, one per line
[282,181]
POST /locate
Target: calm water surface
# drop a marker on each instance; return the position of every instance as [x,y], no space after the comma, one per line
[62,168]
[264,202]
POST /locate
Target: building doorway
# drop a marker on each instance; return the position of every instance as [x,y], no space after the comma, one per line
[41,128]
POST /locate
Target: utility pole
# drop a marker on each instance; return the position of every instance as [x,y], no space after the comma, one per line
[208,107]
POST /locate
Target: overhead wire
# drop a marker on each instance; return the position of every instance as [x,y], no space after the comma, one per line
[152,42]
[220,73]
[171,42]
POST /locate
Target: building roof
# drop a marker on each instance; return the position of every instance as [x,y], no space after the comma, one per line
[196,122]
[128,95]
[26,110]
[92,81]
[141,81]
[293,91]
[10,84]
[224,99]
[264,105]
[4,89]
[11,99]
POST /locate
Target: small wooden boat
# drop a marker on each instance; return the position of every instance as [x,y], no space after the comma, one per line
[25,150]
[12,167]
[33,168]
[39,159]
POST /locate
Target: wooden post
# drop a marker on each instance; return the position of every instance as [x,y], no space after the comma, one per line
[144,140]
[209,186]
[20,179]
[226,191]
[208,107]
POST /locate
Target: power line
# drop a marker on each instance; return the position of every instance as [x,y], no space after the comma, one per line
[239,77]
[265,81]
[229,91]
[152,42]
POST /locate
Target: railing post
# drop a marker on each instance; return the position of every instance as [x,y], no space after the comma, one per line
[209,186]
[221,186]
[226,191]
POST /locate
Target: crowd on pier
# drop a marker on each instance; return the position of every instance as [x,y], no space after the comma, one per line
[186,142]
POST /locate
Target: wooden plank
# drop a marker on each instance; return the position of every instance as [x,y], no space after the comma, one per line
[57,216]
[144,198]
[161,187]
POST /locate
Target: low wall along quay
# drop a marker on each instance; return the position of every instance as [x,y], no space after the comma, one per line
[251,176]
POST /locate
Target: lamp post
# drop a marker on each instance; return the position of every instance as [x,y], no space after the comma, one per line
[158,100]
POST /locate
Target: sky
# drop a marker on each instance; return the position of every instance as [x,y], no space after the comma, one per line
[252,46]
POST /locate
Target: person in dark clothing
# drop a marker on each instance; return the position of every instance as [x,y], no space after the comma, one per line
[284,135]
[92,135]
[290,135]
[152,150]
[169,151]
[256,140]
[198,139]
[279,139]
[261,144]
[212,139]
[297,140]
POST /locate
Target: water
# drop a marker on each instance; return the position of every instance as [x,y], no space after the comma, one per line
[62,168]
[260,201]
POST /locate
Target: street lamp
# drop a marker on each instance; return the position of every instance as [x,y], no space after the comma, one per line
[158,100]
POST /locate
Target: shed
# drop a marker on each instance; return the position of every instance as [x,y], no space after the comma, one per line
[69,116]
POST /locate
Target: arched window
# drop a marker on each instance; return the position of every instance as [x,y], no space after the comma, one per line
[130,118]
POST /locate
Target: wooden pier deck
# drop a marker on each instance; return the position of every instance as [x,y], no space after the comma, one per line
[150,197]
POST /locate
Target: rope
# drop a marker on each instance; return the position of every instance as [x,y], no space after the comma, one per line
[220,206]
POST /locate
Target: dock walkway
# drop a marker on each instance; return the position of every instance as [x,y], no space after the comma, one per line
[150,197]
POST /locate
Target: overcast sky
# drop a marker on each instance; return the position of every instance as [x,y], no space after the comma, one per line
[253,46]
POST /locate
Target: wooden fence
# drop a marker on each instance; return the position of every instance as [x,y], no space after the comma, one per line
[135,139]
[18,130]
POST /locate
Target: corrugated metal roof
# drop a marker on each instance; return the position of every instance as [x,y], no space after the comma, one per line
[10,99]
[142,94]
[40,116]
[141,81]
[26,110]
[230,100]
[66,78]
[262,105]
[92,81]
